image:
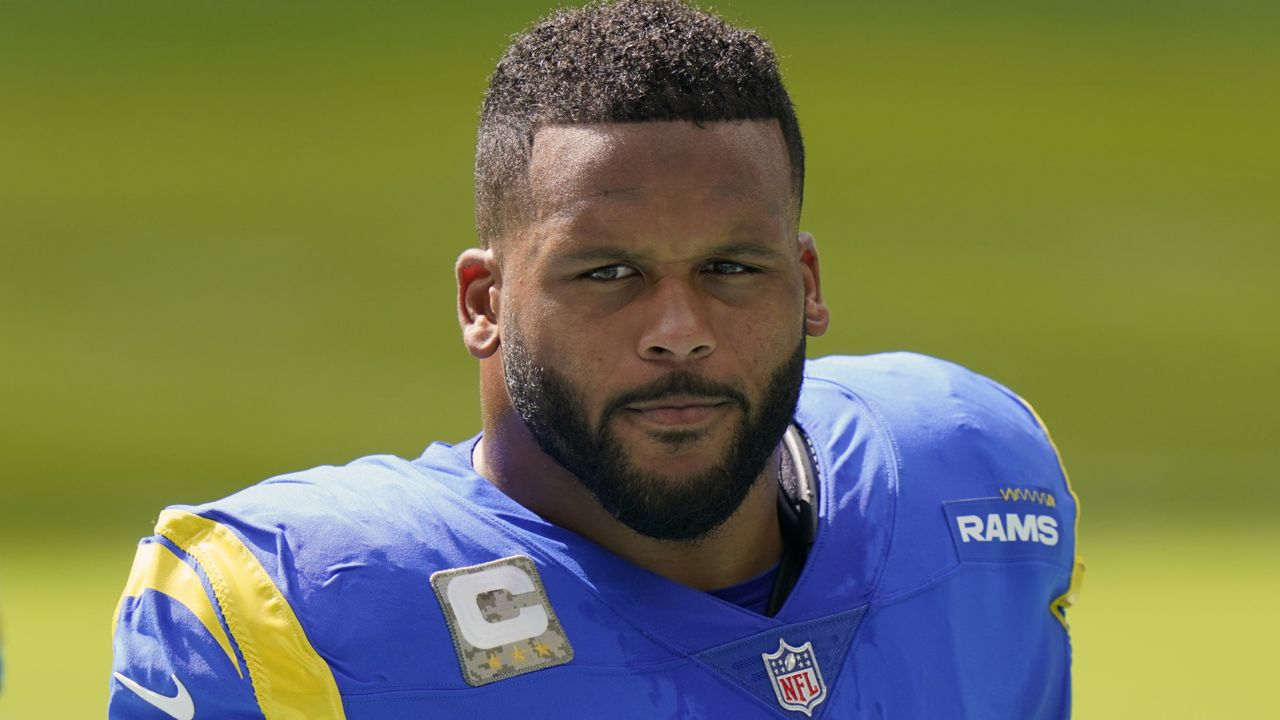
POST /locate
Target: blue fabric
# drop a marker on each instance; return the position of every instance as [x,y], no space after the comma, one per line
[742,660]
[905,621]
[751,595]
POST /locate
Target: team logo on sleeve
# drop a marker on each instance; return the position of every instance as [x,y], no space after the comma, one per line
[501,620]
[796,679]
[1021,525]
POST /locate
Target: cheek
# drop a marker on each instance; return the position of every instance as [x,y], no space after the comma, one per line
[761,343]
[577,348]
[764,328]
[581,358]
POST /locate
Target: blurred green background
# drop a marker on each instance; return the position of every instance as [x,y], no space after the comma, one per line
[227,233]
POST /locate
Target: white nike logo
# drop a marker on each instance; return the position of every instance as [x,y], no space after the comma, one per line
[179,706]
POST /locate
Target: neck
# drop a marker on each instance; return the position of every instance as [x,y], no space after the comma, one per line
[747,544]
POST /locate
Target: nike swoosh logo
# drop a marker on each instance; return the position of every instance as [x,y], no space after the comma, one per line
[179,706]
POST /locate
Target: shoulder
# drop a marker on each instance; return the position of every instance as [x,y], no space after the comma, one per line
[279,578]
[330,504]
[918,391]
[954,485]
[375,514]
[957,448]
[932,411]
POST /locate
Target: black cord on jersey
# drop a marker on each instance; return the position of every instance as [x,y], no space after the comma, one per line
[796,519]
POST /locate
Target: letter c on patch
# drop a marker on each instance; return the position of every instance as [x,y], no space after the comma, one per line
[464,592]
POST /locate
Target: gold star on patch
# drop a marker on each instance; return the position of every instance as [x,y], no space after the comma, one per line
[495,662]
[542,650]
[517,655]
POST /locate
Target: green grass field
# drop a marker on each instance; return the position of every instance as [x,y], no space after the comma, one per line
[226,245]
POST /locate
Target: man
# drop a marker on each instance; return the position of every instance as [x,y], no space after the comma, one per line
[669,513]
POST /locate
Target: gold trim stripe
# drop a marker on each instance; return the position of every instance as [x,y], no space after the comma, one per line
[1067,599]
[289,677]
[155,567]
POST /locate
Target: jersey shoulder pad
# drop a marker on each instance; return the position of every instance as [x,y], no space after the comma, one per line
[966,448]
[239,599]
[202,627]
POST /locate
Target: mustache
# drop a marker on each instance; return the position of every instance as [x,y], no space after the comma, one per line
[676,384]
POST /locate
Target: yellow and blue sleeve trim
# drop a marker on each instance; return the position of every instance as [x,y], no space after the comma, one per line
[289,677]
[1067,599]
[156,567]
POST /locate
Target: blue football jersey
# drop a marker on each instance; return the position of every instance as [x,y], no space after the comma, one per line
[936,584]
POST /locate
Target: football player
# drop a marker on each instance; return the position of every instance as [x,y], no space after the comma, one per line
[669,511]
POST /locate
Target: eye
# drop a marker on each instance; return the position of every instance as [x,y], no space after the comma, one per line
[724,267]
[611,272]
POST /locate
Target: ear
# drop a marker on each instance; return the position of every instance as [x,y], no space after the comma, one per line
[816,315]
[479,283]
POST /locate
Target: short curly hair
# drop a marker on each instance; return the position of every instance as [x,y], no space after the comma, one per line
[624,61]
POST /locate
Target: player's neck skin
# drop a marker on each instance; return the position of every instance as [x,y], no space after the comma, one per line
[681,209]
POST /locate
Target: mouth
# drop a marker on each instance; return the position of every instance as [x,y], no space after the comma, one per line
[678,412]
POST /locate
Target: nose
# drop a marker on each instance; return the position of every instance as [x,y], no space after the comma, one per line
[677,327]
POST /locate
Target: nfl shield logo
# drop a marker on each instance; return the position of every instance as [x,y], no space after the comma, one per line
[795,676]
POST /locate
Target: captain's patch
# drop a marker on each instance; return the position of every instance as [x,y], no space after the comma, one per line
[995,529]
[501,620]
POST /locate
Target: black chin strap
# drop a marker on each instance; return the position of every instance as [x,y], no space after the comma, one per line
[797,514]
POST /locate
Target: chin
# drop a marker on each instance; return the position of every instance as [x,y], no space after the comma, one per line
[677,459]
[675,474]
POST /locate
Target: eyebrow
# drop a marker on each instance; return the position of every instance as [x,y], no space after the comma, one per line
[617,253]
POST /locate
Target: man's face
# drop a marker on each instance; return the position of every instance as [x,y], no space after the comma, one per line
[653,309]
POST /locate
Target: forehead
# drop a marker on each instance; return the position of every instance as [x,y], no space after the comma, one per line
[575,165]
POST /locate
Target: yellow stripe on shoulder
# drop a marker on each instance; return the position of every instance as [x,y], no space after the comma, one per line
[156,567]
[1067,599]
[289,677]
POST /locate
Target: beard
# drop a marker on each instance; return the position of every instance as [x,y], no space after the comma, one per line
[686,508]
